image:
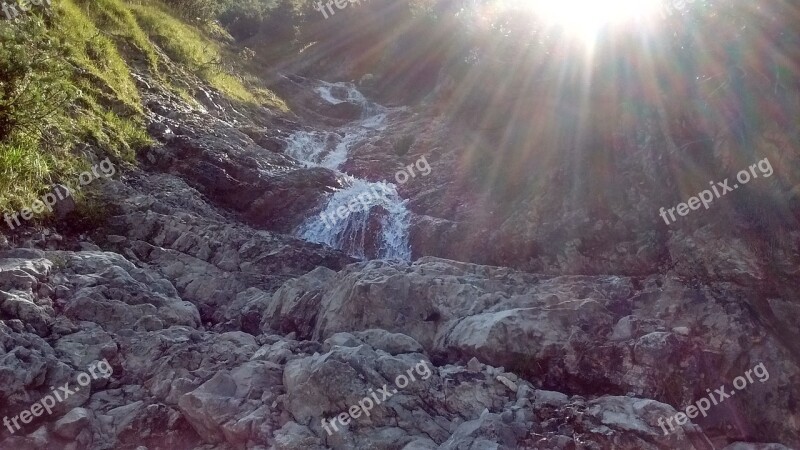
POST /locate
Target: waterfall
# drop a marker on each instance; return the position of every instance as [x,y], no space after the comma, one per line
[379,210]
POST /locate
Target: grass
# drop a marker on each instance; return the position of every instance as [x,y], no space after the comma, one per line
[98,44]
[93,51]
[203,56]
[29,165]
[100,106]
[117,20]
[21,170]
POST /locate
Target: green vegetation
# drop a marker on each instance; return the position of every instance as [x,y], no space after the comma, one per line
[116,19]
[191,47]
[34,93]
[67,85]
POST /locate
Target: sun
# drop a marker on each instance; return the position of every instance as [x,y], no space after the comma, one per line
[586,18]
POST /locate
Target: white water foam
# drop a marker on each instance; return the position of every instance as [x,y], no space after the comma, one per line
[331,150]
[350,234]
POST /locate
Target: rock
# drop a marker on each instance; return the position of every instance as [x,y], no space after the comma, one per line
[148,323]
[114,239]
[549,398]
[683,331]
[342,339]
[293,436]
[225,407]
[125,414]
[475,434]
[623,330]
[754,446]
[656,348]
[508,383]
[160,131]
[511,376]
[73,423]
[474,365]
[124,296]
[391,343]
[224,330]
[89,247]
[367,80]
[65,203]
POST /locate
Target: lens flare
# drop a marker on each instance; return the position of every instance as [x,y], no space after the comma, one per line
[586,18]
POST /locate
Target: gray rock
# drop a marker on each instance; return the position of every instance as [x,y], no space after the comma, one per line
[65,203]
[73,423]
[474,365]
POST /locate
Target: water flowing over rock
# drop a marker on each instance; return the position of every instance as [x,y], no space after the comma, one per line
[234,317]
[356,219]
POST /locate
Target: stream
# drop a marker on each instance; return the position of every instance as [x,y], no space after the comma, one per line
[380,226]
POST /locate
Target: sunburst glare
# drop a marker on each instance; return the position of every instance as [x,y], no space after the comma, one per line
[586,18]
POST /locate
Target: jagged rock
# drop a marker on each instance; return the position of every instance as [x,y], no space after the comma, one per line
[229,405]
[391,343]
[73,423]
[293,436]
[549,398]
[563,325]
[125,294]
[223,335]
[474,365]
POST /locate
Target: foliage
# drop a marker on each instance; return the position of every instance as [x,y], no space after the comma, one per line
[64,82]
[32,77]
[244,19]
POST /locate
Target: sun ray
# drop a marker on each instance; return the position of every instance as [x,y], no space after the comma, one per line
[586,19]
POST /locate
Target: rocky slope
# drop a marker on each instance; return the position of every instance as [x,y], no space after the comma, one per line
[224,331]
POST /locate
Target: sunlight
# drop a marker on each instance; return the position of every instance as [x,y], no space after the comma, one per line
[585,18]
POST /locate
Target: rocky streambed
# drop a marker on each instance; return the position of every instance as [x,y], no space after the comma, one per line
[226,330]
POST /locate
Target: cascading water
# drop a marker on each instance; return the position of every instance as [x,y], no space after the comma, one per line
[380,208]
